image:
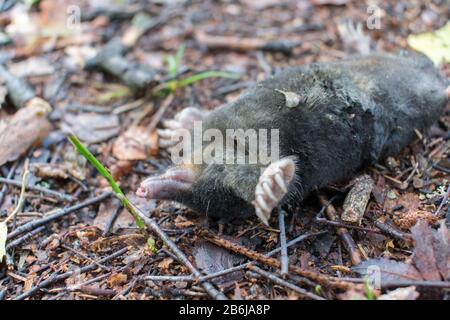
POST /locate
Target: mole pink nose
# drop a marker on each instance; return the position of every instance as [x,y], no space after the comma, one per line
[168,185]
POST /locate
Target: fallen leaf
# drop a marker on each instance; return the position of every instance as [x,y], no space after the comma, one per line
[3,236]
[431,251]
[58,170]
[408,293]
[25,128]
[106,209]
[211,258]
[430,259]
[133,144]
[389,270]
[435,45]
[411,210]
[117,280]
[165,264]
[91,127]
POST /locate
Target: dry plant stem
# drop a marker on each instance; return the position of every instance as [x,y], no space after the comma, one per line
[284,283]
[284,259]
[58,214]
[158,115]
[55,194]
[24,238]
[22,194]
[344,225]
[393,232]
[154,227]
[350,245]
[275,263]
[59,277]
[233,269]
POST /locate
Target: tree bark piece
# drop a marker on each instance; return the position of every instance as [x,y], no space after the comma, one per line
[357,199]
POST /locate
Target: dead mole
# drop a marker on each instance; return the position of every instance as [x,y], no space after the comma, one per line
[332,119]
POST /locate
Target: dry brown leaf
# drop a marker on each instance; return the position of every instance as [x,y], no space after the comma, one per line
[430,260]
[133,144]
[211,258]
[182,222]
[431,251]
[25,128]
[165,264]
[91,127]
[117,279]
[106,209]
[407,217]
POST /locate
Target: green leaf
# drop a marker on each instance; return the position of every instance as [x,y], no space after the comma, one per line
[3,236]
[435,45]
[151,245]
[105,173]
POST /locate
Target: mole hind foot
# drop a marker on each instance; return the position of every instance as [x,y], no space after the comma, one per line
[183,120]
[272,187]
[353,38]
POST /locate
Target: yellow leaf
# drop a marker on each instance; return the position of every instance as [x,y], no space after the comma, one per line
[3,235]
[435,45]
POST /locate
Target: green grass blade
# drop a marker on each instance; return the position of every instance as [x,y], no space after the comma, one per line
[105,173]
[206,74]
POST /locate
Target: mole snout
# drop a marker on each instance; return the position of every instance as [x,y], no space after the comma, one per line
[168,185]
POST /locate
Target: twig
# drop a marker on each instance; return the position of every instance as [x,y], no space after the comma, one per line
[342,232]
[284,283]
[391,231]
[24,238]
[170,278]
[344,225]
[319,278]
[58,214]
[232,269]
[61,196]
[153,226]
[158,115]
[112,219]
[244,44]
[284,259]
[59,277]
[82,255]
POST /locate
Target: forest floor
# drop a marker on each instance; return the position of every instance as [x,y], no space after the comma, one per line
[68,237]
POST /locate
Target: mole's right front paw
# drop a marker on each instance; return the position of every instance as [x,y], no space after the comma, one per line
[183,120]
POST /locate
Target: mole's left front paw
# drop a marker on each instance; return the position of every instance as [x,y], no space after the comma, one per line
[272,187]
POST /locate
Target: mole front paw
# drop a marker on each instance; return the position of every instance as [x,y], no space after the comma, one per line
[353,38]
[272,187]
[183,120]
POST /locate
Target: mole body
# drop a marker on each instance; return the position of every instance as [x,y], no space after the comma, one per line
[333,119]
